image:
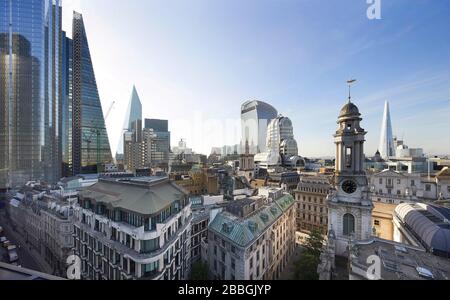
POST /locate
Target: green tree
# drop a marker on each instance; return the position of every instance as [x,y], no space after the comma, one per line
[314,243]
[306,267]
[199,271]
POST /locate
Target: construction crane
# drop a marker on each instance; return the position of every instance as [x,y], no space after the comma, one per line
[95,129]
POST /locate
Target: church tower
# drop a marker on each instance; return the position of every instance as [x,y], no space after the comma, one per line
[350,207]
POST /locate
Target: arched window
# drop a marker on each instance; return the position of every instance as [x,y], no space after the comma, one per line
[349,224]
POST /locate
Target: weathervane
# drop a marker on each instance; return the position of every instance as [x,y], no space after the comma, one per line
[350,82]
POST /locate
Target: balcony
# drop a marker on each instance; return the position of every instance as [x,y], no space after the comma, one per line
[131,253]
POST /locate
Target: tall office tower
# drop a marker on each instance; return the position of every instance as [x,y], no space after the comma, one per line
[255,117]
[134,151]
[30,77]
[387,139]
[134,113]
[66,113]
[160,141]
[90,143]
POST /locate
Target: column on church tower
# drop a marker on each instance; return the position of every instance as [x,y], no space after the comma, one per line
[362,156]
[337,157]
[357,156]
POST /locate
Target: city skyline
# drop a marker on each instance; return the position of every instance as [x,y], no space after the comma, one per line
[324,125]
[283,55]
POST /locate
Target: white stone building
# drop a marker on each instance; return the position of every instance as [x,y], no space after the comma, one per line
[281,146]
[253,238]
[134,229]
[394,187]
[44,218]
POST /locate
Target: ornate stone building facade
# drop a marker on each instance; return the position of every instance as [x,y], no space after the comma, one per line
[312,210]
[350,205]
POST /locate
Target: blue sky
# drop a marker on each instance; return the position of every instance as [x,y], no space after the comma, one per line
[195,62]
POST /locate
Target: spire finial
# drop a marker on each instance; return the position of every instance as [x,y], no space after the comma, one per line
[350,82]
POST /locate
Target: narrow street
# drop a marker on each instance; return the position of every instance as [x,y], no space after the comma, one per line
[27,257]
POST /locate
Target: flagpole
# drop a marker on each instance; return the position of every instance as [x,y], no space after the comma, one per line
[350,82]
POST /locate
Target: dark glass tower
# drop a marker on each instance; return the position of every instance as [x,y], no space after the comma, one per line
[66,124]
[30,103]
[90,143]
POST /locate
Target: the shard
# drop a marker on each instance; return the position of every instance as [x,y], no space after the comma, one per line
[386,148]
[134,113]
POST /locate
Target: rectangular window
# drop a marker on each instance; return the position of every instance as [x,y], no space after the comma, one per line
[377,223]
[428,187]
[150,245]
[150,269]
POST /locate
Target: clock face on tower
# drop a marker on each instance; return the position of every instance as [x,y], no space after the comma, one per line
[349,186]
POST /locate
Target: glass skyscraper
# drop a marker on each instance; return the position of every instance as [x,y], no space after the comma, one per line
[66,124]
[90,143]
[255,117]
[30,91]
[134,113]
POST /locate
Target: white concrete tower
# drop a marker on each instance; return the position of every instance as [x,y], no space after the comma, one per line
[386,147]
[350,207]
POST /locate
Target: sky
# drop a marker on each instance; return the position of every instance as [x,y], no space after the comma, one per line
[195,62]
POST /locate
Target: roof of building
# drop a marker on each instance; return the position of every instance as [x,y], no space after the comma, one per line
[244,231]
[399,261]
[144,195]
[10,272]
[391,173]
[444,174]
[430,223]
[349,110]
[249,105]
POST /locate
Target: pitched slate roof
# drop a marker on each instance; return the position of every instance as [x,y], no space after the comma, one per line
[146,198]
[244,232]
